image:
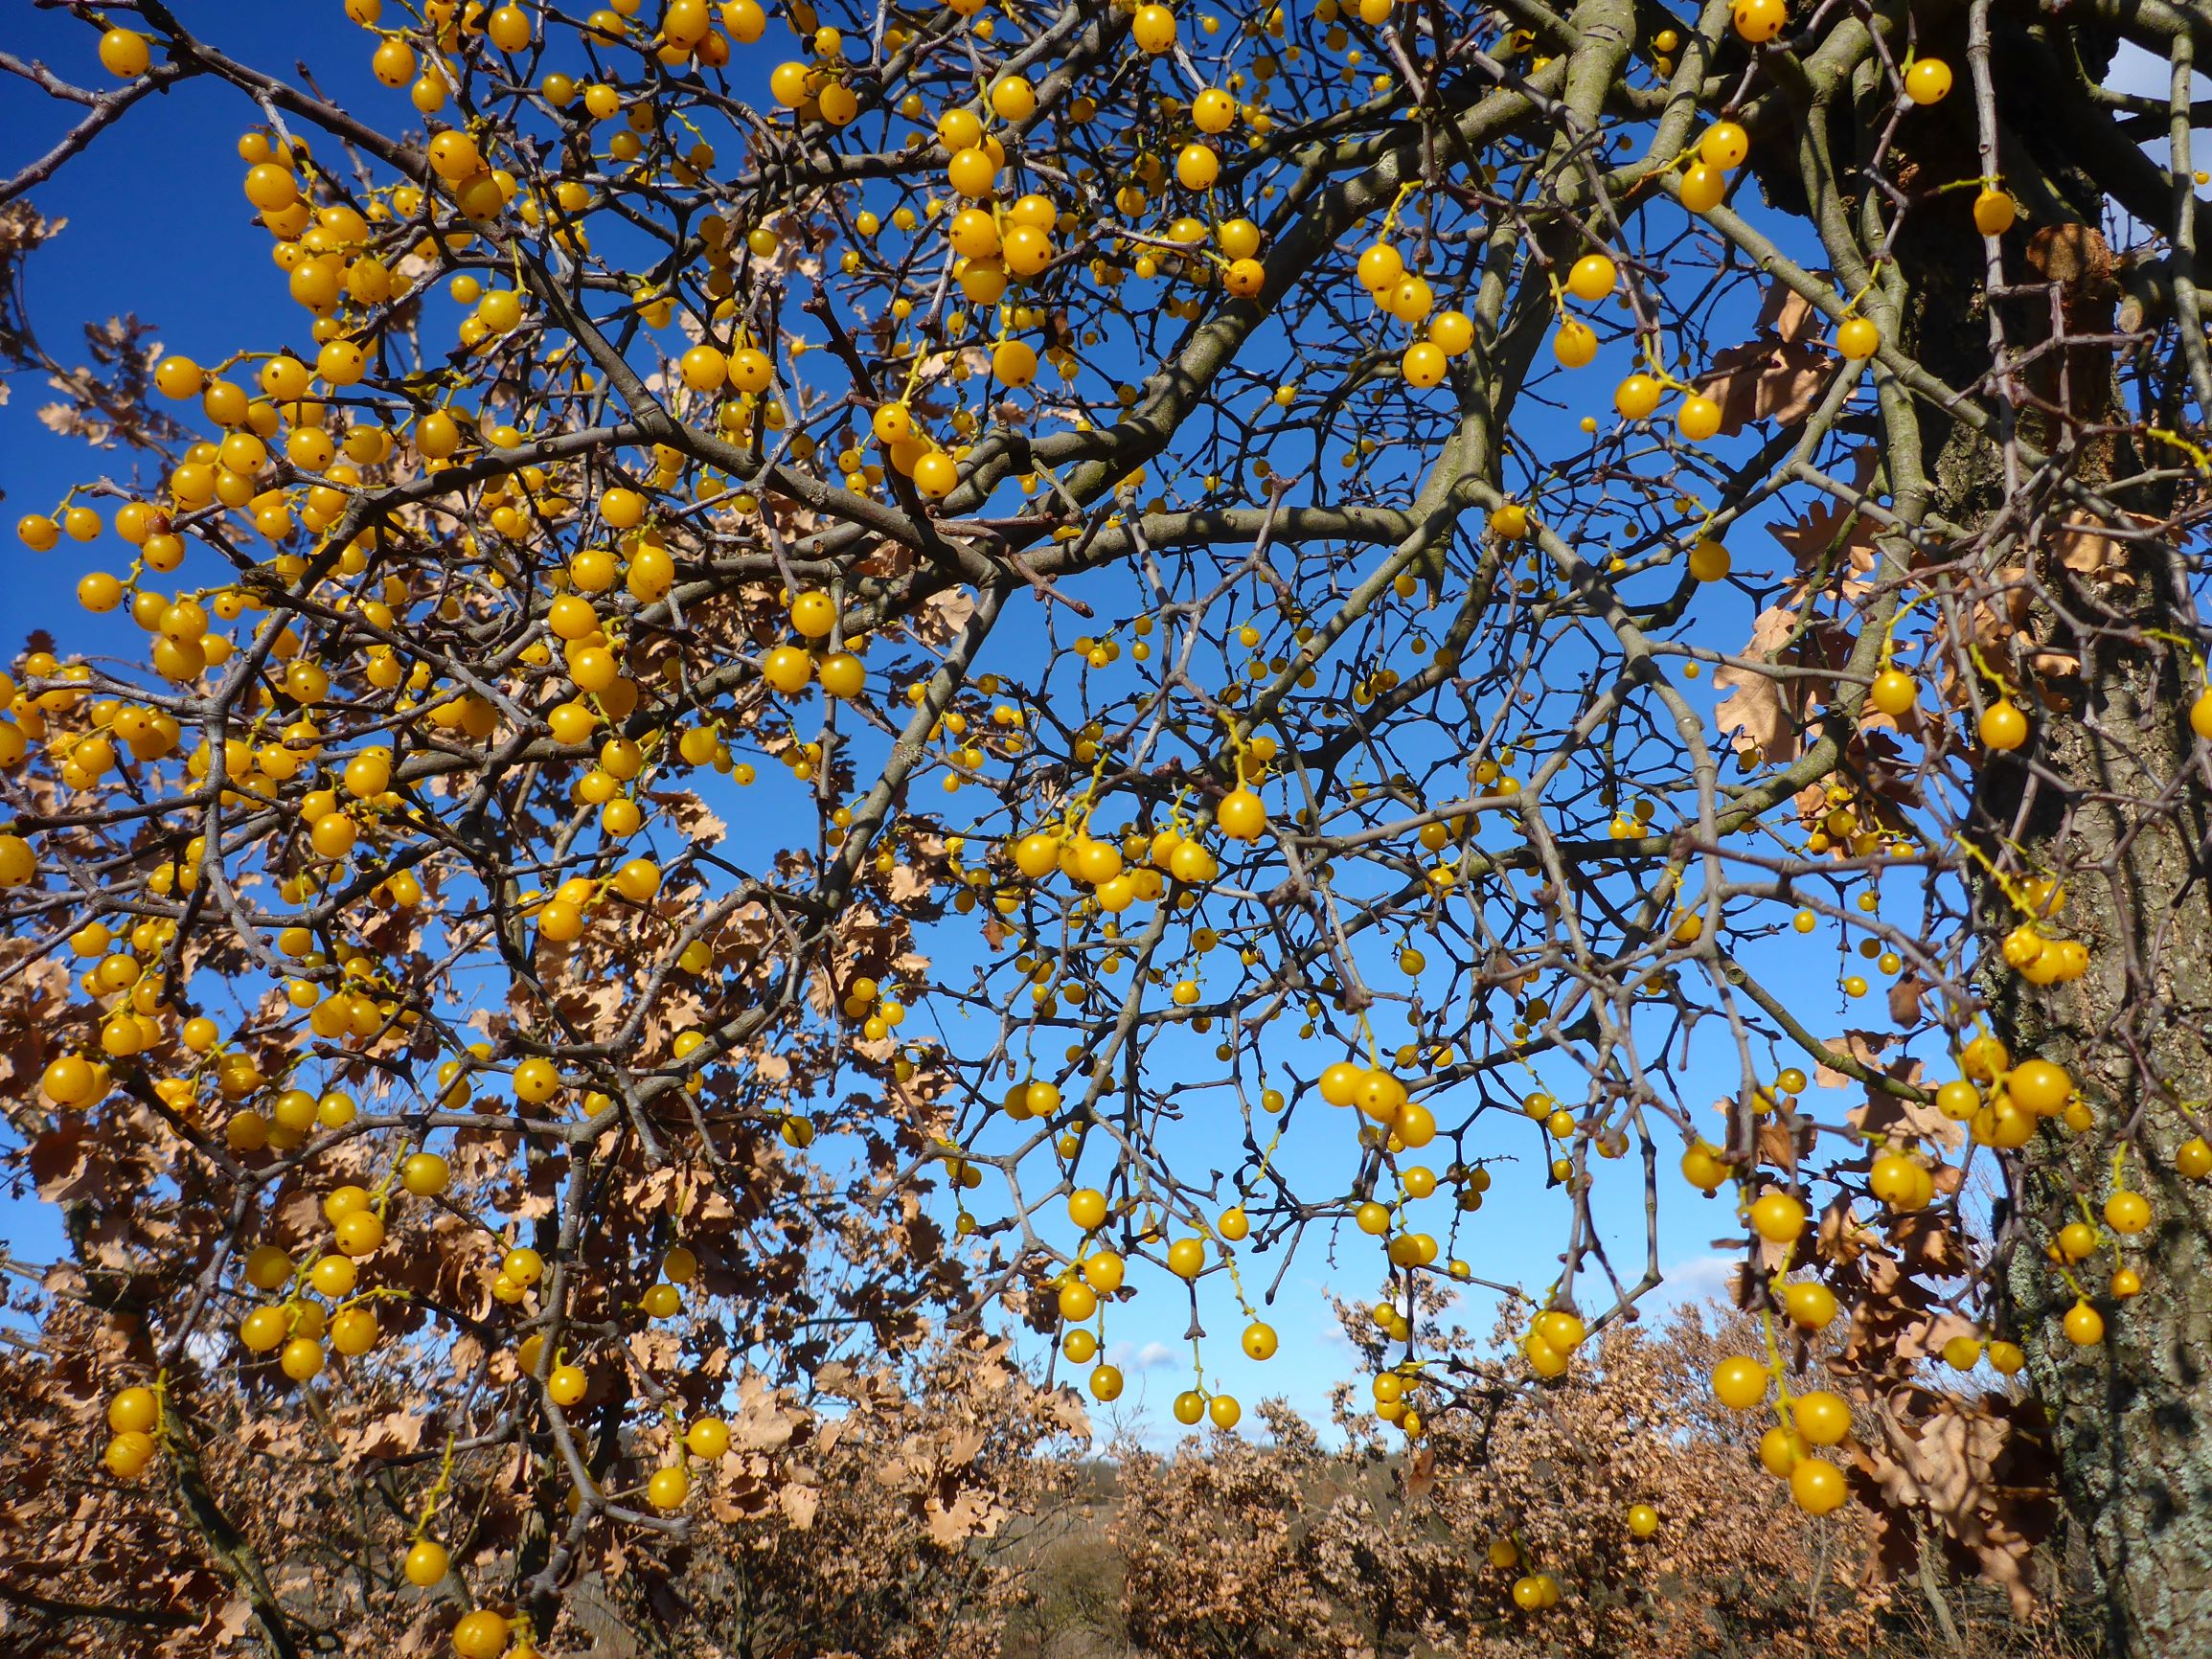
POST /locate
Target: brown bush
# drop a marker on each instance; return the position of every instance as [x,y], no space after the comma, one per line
[1235,1547]
[952,1511]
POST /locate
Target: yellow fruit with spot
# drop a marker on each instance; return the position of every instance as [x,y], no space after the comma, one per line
[1241,816]
[1562,1329]
[1994,211]
[2038,1087]
[1424,365]
[1893,691]
[1702,187]
[1857,339]
[1153,29]
[124,54]
[133,1410]
[361,1232]
[1702,1166]
[1015,362]
[1637,397]
[788,669]
[1709,560]
[128,1453]
[1077,1301]
[1723,146]
[1545,1361]
[1809,1306]
[935,474]
[2002,726]
[1929,81]
[2128,1213]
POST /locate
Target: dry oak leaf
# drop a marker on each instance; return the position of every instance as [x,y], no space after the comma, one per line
[738,1499]
[1421,1473]
[1777,375]
[29,999]
[1883,1113]
[940,616]
[1925,1340]
[1811,540]
[1840,1235]
[2086,547]
[907,883]
[1887,1307]
[2000,610]
[970,1515]
[232,1620]
[1783,1144]
[799,1505]
[1507,973]
[1864,1046]
[1758,709]
[1905,994]
[394,1434]
[1972,1472]
[1927,1246]
[689,815]
[763,1422]
[60,1164]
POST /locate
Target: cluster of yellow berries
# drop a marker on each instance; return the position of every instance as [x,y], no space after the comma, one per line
[295,1328]
[1119,875]
[1532,1592]
[1406,296]
[134,1421]
[1807,1424]
[1380,1096]
[1551,1341]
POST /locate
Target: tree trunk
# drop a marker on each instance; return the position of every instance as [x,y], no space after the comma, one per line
[2112,796]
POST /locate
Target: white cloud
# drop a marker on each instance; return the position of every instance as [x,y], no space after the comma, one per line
[1127,1356]
[1697,1280]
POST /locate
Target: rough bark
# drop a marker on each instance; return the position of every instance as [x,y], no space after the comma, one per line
[2111,795]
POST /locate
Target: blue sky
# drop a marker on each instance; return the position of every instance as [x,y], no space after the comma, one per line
[156,227]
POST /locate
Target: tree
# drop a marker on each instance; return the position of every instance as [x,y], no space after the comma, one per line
[1132,493]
